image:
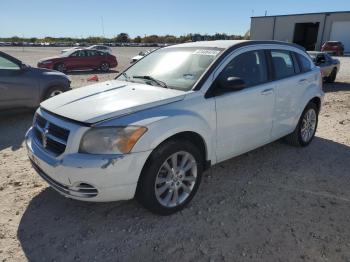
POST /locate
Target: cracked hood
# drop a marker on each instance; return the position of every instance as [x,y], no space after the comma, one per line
[109,99]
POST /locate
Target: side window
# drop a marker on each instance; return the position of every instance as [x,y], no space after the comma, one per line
[283,64]
[304,63]
[249,66]
[6,64]
[90,53]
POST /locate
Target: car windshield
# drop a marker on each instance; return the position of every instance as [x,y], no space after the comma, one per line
[175,67]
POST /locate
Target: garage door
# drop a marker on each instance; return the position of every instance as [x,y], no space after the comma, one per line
[340,32]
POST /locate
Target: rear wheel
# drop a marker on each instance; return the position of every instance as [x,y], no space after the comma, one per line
[104,67]
[331,78]
[171,177]
[306,128]
[61,67]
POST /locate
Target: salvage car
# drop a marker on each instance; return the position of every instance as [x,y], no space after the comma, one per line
[80,59]
[101,48]
[333,47]
[329,65]
[25,86]
[152,131]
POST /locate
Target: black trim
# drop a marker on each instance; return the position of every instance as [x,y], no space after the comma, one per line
[296,63]
[270,68]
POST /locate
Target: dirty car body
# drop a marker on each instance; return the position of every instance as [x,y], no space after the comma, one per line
[159,124]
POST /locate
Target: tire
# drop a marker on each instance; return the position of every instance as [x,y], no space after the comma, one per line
[104,67]
[156,177]
[53,91]
[297,138]
[61,67]
[331,78]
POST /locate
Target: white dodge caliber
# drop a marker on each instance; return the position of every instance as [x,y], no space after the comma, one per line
[152,131]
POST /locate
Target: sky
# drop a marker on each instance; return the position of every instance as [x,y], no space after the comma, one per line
[78,18]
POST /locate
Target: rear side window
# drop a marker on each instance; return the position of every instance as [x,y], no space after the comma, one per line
[249,66]
[283,64]
[304,63]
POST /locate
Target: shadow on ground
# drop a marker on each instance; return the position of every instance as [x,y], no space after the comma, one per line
[274,203]
[336,87]
[13,126]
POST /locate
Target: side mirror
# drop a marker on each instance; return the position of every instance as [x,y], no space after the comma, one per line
[23,66]
[230,84]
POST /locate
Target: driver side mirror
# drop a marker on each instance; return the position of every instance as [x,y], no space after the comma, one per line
[231,84]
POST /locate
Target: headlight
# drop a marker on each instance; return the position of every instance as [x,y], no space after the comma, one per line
[111,140]
[46,62]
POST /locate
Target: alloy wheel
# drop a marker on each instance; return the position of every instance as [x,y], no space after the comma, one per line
[176,179]
[308,125]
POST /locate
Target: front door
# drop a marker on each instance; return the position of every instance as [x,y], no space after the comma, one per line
[244,117]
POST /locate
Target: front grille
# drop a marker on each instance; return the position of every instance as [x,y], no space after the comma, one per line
[50,136]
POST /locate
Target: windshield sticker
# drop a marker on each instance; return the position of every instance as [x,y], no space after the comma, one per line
[206,52]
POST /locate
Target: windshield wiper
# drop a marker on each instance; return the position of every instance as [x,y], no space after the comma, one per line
[160,83]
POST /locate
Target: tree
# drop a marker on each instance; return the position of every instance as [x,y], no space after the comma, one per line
[122,38]
[137,39]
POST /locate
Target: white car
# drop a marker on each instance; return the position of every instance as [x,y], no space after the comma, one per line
[152,131]
[101,48]
[70,49]
[141,55]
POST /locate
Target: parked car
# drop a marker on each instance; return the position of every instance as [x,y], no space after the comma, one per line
[70,49]
[329,66]
[80,59]
[152,131]
[101,48]
[333,47]
[141,55]
[25,86]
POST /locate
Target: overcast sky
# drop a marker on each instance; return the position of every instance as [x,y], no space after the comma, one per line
[41,18]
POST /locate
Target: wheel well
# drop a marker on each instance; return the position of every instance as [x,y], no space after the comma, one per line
[193,138]
[317,102]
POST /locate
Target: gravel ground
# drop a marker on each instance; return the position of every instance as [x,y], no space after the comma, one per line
[276,203]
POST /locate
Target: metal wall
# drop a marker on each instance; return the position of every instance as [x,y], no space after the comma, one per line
[282,27]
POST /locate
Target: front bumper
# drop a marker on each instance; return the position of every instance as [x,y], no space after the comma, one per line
[95,178]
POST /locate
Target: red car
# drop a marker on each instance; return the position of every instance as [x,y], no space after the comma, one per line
[333,47]
[80,59]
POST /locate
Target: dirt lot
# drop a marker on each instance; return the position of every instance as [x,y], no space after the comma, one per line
[276,203]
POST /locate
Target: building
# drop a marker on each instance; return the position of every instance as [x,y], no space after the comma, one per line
[308,30]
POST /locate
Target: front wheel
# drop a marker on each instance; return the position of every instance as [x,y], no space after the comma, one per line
[61,67]
[170,178]
[306,128]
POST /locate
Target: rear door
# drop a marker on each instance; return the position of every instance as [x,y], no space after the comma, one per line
[77,60]
[244,117]
[292,78]
[92,59]
[18,88]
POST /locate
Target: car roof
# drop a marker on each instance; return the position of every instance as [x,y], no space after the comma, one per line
[226,44]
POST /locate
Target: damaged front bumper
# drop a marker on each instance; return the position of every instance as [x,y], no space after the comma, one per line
[96,178]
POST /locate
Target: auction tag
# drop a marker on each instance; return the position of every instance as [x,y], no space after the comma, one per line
[206,52]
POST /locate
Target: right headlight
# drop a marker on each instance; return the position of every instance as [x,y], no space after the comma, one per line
[111,140]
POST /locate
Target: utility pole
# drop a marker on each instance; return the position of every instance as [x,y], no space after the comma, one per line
[103,27]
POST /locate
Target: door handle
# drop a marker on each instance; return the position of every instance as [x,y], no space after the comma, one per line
[267,92]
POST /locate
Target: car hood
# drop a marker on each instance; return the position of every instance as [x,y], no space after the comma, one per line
[109,99]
